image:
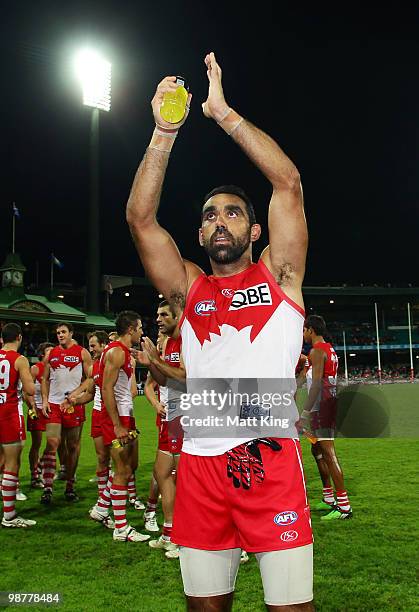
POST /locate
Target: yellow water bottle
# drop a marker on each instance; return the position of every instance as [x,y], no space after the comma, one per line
[173,108]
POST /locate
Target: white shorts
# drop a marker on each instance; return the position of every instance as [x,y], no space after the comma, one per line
[287,575]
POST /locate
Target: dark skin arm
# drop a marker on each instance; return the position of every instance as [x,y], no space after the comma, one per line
[114,361]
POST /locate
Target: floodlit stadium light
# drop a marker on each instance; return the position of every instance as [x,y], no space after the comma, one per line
[94,73]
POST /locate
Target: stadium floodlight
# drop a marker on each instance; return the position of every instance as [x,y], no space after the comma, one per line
[94,73]
[331,301]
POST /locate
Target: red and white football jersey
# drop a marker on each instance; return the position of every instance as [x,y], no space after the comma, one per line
[170,394]
[97,400]
[330,371]
[240,326]
[66,371]
[122,388]
[38,395]
[9,380]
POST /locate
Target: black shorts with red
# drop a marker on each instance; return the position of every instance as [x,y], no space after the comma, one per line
[211,513]
[65,419]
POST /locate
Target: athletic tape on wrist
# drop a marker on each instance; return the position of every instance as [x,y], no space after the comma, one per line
[224,116]
[166,133]
[235,126]
[158,149]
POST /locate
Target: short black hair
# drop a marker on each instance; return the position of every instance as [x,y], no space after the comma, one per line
[67,325]
[101,335]
[125,320]
[166,304]
[317,323]
[40,351]
[237,191]
[11,332]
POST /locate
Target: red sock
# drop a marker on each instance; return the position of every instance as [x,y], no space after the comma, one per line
[328,496]
[8,491]
[69,485]
[151,505]
[48,469]
[132,490]
[104,500]
[343,501]
[119,505]
[167,531]
[102,479]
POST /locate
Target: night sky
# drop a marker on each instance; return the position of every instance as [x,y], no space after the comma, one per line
[336,87]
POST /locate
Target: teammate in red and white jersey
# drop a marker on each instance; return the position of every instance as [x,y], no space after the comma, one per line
[319,417]
[90,390]
[116,371]
[68,364]
[168,371]
[14,369]
[37,425]
[244,321]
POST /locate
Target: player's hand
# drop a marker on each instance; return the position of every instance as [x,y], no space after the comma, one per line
[150,348]
[66,405]
[167,85]
[122,434]
[46,410]
[161,410]
[215,107]
[140,357]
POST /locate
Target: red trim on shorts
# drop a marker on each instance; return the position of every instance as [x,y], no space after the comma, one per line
[12,429]
[211,514]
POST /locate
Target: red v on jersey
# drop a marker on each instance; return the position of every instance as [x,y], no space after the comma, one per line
[247,299]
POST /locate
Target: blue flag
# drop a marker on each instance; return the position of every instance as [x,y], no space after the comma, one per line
[56,261]
[16,211]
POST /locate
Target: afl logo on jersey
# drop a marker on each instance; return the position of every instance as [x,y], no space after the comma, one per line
[70,359]
[258,295]
[205,307]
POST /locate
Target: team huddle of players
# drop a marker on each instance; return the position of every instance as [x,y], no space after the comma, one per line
[68,376]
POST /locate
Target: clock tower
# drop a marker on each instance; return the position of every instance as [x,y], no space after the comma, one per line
[12,272]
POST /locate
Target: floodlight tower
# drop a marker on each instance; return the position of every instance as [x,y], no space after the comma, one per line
[94,73]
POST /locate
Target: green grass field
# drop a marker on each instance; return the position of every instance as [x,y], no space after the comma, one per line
[368,563]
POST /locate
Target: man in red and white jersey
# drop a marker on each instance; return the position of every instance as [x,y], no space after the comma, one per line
[245,321]
[90,390]
[37,425]
[68,364]
[169,372]
[118,423]
[319,417]
[14,369]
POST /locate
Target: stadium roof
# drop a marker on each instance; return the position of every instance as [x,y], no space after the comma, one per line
[15,305]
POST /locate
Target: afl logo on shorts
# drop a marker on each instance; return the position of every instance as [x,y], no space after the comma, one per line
[205,307]
[286,518]
[289,536]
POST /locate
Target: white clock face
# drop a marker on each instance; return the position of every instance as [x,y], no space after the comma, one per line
[7,277]
[17,277]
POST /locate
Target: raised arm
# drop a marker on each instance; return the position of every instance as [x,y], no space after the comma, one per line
[285,257]
[158,252]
